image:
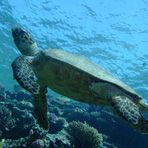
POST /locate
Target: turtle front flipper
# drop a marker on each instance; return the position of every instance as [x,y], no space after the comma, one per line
[129,111]
[24,74]
[40,107]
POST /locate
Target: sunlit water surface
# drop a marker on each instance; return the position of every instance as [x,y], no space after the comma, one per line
[113,34]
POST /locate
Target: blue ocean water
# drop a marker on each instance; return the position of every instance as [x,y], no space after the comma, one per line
[113,34]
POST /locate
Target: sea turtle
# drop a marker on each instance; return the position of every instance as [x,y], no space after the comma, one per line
[73,76]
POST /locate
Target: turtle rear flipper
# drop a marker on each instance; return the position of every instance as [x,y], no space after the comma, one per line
[24,74]
[129,111]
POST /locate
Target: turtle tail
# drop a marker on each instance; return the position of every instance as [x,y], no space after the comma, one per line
[143,105]
[142,125]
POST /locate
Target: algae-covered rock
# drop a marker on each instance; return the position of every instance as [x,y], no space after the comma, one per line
[7,122]
[82,135]
[38,143]
[2,93]
[59,140]
[56,123]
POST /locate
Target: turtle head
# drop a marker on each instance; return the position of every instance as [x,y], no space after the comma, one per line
[24,42]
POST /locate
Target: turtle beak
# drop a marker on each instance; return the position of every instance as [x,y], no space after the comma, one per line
[13,31]
[17,32]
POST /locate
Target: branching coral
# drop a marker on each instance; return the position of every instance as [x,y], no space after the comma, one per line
[84,136]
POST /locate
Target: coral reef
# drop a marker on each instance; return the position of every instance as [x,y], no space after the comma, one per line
[14,119]
[57,123]
[16,114]
[7,122]
[38,143]
[82,135]
[2,93]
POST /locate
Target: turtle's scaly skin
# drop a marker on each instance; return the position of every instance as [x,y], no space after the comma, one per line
[77,78]
[24,74]
[24,42]
[30,82]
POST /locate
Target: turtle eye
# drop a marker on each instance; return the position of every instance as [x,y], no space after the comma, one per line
[22,32]
[23,40]
[26,37]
